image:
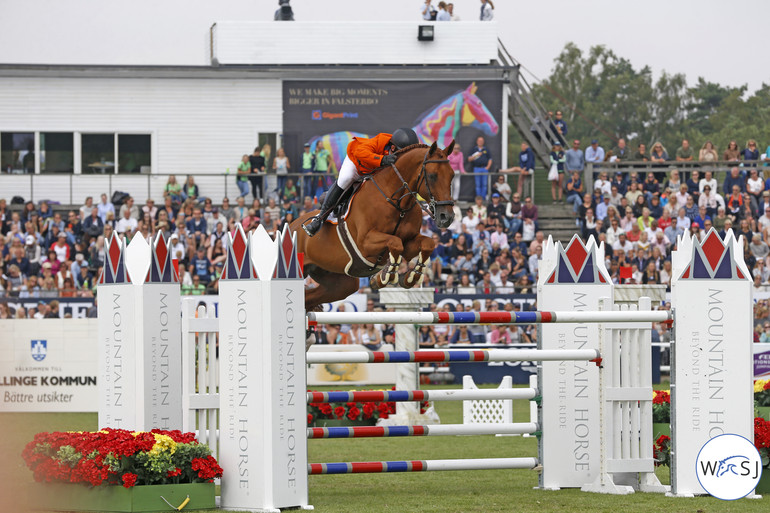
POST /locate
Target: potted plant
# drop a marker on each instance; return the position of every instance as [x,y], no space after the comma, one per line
[762,398]
[122,471]
[661,414]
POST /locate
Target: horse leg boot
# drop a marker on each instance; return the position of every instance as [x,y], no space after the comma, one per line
[413,277]
[332,198]
[388,274]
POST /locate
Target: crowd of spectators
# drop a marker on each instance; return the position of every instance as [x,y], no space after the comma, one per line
[640,215]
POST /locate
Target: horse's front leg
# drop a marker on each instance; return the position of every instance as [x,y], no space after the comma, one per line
[374,244]
[422,247]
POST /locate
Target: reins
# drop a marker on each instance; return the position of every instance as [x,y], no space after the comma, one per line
[408,192]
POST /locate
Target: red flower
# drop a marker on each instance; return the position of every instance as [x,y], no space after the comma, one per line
[129,479]
[309,418]
[354,413]
[368,410]
[207,468]
[339,412]
[661,397]
[174,473]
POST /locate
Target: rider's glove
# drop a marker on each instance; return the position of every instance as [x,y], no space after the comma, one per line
[388,160]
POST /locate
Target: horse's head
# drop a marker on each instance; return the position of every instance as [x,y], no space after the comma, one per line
[476,114]
[435,183]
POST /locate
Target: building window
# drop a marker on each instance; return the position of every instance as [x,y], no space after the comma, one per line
[98,152]
[17,152]
[133,153]
[57,152]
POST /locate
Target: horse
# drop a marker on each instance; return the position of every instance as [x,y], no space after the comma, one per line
[440,123]
[381,228]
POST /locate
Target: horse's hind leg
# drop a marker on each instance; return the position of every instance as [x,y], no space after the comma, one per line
[331,287]
[423,247]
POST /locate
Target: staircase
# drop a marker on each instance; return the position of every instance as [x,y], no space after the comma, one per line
[531,120]
[524,110]
[555,220]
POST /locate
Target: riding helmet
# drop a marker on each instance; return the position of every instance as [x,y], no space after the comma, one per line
[403,137]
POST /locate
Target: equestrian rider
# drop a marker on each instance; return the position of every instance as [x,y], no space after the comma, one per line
[363,158]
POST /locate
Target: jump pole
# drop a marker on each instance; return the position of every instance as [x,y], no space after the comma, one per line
[558,317]
[492,355]
[378,467]
[421,395]
[522,428]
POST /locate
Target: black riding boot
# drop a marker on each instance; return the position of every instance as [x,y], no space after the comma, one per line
[332,197]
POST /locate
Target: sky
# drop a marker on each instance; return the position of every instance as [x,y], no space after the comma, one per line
[723,41]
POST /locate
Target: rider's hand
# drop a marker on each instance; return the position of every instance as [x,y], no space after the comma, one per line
[388,160]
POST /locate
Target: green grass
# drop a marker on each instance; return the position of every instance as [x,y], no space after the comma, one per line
[476,491]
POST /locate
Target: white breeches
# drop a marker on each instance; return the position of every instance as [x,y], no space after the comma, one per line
[348,174]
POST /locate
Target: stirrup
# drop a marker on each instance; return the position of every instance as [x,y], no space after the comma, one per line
[305,225]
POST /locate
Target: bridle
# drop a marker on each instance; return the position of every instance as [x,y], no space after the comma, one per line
[408,192]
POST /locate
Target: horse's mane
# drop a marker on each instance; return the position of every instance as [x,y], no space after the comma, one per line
[410,148]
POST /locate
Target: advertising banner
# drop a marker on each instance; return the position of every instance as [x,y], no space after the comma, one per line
[332,113]
[48,365]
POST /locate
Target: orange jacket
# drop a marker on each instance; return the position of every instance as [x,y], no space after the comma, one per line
[366,154]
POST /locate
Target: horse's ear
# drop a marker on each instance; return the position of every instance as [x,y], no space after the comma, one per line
[433,148]
[448,149]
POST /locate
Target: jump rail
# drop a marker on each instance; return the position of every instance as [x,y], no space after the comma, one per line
[486,317]
[523,428]
[492,355]
[377,467]
[421,395]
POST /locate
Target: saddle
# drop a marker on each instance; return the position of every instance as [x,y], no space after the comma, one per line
[342,209]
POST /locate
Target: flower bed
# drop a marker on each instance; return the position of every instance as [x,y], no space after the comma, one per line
[160,464]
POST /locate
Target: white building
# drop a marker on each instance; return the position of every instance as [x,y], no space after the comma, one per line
[104,96]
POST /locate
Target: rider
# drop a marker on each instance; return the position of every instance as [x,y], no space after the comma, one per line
[364,156]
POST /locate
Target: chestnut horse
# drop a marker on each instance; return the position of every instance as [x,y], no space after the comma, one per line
[382,227]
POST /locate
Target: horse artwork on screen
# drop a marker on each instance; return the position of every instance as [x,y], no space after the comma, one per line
[380,227]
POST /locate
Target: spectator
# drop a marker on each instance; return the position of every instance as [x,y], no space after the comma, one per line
[641,153]
[281,166]
[127,225]
[575,190]
[708,200]
[603,184]
[735,203]
[443,14]
[758,247]
[195,289]
[501,187]
[456,163]
[487,10]
[621,151]
[750,153]
[674,182]
[256,169]
[173,190]
[732,153]
[658,153]
[243,175]
[755,186]
[684,152]
[451,10]
[85,210]
[284,11]
[105,207]
[322,167]
[594,153]
[708,153]
[513,213]
[132,209]
[481,161]
[190,190]
[557,159]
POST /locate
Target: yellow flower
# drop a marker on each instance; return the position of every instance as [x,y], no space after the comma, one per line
[759,385]
[163,443]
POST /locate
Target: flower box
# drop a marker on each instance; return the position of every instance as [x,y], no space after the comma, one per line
[116,498]
[660,428]
[344,422]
